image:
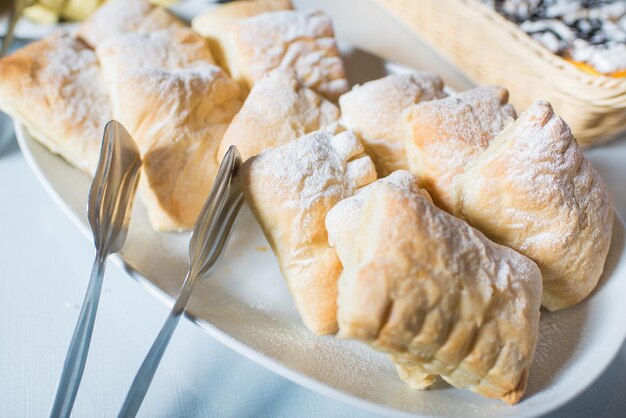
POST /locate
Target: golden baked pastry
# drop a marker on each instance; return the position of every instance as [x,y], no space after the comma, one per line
[373,111]
[341,223]
[290,189]
[444,135]
[216,25]
[176,104]
[122,16]
[172,48]
[435,293]
[54,88]
[534,191]
[300,42]
[177,118]
[277,110]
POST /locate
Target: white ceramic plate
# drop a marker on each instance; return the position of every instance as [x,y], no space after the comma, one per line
[246,306]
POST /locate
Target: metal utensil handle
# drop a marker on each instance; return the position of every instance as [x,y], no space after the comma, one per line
[79,347]
[208,240]
[8,36]
[15,14]
[143,379]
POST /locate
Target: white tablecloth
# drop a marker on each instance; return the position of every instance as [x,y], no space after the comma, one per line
[44,267]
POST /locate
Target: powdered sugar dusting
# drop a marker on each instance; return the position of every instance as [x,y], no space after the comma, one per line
[373,110]
[534,190]
[74,69]
[277,110]
[447,134]
[290,189]
[54,86]
[314,168]
[167,49]
[122,16]
[417,252]
[292,41]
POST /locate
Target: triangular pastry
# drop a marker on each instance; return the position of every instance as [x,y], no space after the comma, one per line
[178,118]
[54,87]
[123,16]
[216,25]
[277,110]
[373,111]
[299,42]
[176,104]
[290,189]
[435,293]
[341,223]
[534,191]
[443,136]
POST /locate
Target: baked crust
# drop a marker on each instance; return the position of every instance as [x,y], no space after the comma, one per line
[176,104]
[171,48]
[54,88]
[534,191]
[373,111]
[443,136]
[300,42]
[290,189]
[216,25]
[434,292]
[177,118]
[123,16]
[277,110]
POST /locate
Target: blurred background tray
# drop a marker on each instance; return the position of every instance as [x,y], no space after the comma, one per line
[489,49]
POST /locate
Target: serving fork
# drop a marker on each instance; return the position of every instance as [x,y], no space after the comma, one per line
[208,240]
[110,203]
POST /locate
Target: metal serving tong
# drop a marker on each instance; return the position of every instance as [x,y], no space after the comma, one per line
[15,12]
[110,202]
[208,240]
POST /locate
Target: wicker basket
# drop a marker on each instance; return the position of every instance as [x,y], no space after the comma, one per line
[493,50]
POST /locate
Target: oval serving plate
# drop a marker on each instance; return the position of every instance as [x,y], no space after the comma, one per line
[246,306]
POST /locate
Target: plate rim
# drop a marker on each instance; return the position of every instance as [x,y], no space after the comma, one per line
[25,140]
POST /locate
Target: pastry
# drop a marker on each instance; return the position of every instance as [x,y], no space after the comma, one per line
[176,104]
[300,42]
[252,38]
[178,118]
[444,135]
[122,16]
[435,293]
[533,190]
[373,112]
[290,189]
[54,88]
[171,48]
[216,25]
[277,110]
[341,224]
